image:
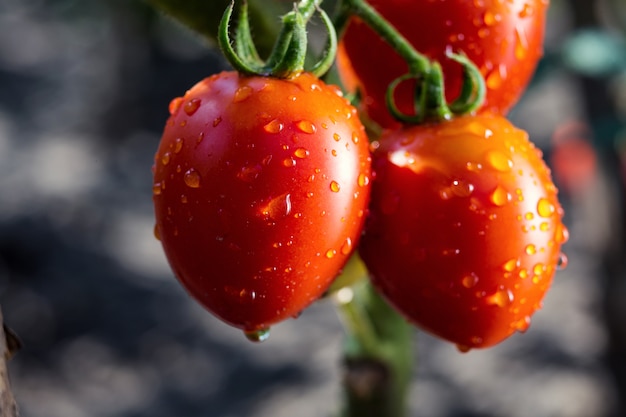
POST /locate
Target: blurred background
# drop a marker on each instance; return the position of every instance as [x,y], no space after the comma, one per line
[107,331]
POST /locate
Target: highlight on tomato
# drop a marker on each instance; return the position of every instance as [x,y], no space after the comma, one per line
[464,231]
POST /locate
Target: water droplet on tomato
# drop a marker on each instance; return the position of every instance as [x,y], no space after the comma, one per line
[306,126]
[301,153]
[500,196]
[178,144]
[249,173]
[562,262]
[175,105]
[192,106]
[333,152]
[337,137]
[523,273]
[470,280]
[526,11]
[498,161]
[330,253]
[529,216]
[545,208]
[242,93]
[496,77]
[522,324]
[289,162]
[157,188]
[157,232]
[334,186]
[562,234]
[165,159]
[473,166]
[501,298]
[521,43]
[544,226]
[217,121]
[461,188]
[511,265]
[192,178]
[346,248]
[273,126]
[355,138]
[277,207]
[183,199]
[363,180]
[491,18]
[463,348]
[257,336]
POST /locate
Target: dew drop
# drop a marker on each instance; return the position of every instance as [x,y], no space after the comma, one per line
[242,93]
[257,336]
[545,208]
[355,138]
[289,162]
[334,186]
[249,173]
[500,196]
[491,18]
[165,159]
[501,298]
[330,253]
[178,144]
[463,348]
[175,105]
[521,43]
[333,152]
[337,137]
[461,188]
[192,178]
[529,216]
[530,249]
[217,121]
[277,207]
[183,199]
[526,11]
[346,248]
[562,262]
[470,280]
[496,77]
[301,153]
[511,265]
[562,234]
[274,126]
[363,180]
[306,126]
[474,167]
[544,226]
[523,324]
[499,161]
[192,106]
[156,188]
[157,232]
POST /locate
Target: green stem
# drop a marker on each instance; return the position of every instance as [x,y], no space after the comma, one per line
[378,354]
[418,63]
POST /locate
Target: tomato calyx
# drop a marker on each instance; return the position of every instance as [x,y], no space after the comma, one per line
[288,55]
[430,100]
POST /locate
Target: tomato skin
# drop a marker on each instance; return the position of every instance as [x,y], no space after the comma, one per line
[464,231]
[260,188]
[503,38]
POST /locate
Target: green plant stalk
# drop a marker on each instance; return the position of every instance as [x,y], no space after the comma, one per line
[378,355]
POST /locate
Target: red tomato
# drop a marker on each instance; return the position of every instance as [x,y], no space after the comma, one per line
[260,186]
[503,38]
[464,233]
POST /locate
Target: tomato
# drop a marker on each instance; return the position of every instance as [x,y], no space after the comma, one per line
[465,230]
[503,38]
[260,188]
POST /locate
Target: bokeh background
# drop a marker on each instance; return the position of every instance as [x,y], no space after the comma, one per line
[107,331]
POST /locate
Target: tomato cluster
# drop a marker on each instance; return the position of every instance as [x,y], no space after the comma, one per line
[264,187]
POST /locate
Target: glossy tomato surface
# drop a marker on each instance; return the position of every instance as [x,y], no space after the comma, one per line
[464,233]
[503,38]
[260,187]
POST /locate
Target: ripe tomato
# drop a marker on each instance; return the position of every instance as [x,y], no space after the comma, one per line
[503,38]
[260,186]
[464,233]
